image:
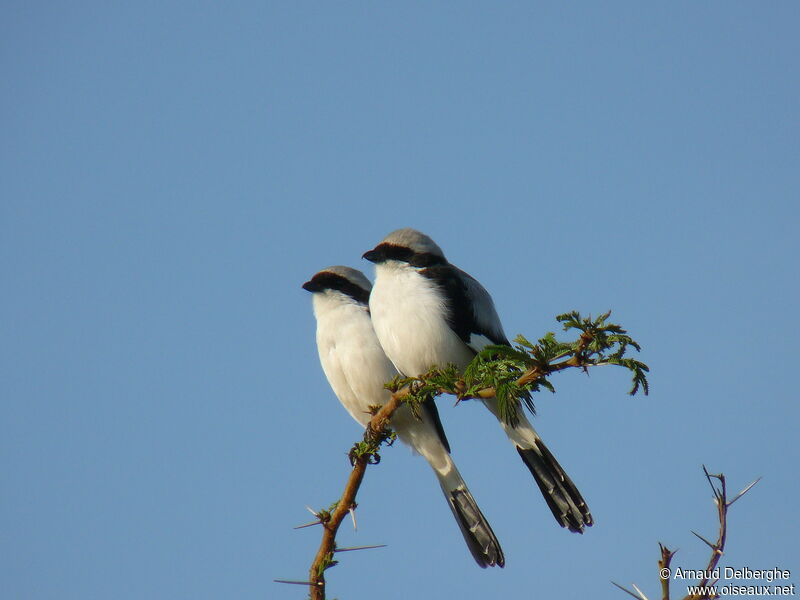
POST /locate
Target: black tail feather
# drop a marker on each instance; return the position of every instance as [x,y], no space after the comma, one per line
[565,501]
[475,528]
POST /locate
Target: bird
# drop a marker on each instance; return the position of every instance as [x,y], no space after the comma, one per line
[357,369]
[427,312]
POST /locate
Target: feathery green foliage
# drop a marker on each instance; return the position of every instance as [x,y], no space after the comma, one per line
[500,367]
[514,373]
[606,343]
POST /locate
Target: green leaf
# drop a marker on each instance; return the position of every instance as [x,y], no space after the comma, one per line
[499,366]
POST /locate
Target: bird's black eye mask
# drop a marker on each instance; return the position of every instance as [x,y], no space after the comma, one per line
[384,252]
[331,281]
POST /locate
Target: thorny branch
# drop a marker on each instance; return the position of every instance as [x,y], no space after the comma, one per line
[509,374]
[717,548]
[361,455]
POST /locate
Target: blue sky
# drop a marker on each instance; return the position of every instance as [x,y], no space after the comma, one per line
[170,174]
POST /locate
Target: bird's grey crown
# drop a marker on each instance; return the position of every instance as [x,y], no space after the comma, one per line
[354,276]
[414,240]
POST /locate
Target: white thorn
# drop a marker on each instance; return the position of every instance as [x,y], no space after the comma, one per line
[641,594]
[744,491]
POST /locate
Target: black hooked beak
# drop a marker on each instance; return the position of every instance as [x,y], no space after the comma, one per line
[312,286]
[373,256]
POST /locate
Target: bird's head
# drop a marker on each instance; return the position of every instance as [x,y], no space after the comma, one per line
[408,246]
[340,280]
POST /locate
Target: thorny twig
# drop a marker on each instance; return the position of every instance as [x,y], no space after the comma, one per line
[719,488]
[605,341]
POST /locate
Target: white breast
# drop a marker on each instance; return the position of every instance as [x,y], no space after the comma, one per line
[351,356]
[409,316]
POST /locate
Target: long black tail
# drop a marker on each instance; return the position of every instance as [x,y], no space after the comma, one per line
[565,501]
[476,530]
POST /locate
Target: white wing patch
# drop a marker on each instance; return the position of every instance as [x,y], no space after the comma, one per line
[478,341]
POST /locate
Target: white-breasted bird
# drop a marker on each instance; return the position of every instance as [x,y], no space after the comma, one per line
[427,312]
[357,369]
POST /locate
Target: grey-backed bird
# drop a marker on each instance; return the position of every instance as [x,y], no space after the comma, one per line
[357,369]
[427,312]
